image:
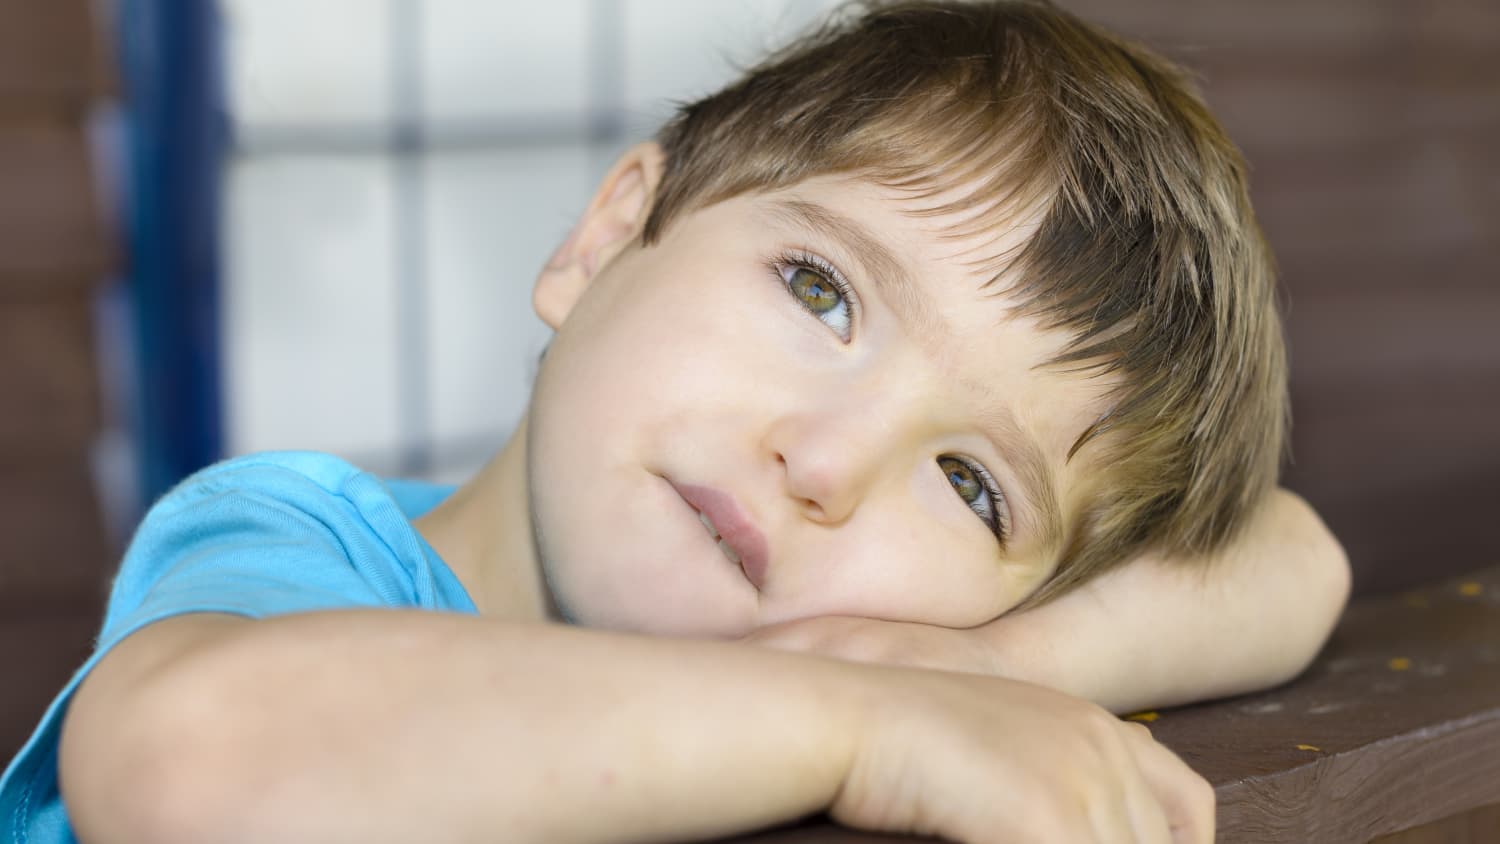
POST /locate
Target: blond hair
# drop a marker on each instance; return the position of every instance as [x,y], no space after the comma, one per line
[1147,253]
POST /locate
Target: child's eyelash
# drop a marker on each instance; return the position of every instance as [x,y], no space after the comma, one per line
[810,261]
[997,497]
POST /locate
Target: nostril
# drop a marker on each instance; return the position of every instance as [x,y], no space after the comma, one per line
[814,510]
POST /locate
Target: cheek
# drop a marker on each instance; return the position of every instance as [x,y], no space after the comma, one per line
[626,554]
[915,576]
[646,336]
[640,378]
[620,364]
[911,556]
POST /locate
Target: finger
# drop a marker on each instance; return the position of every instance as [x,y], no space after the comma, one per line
[1110,813]
[1147,816]
[1043,818]
[1185,797]
[1132,810]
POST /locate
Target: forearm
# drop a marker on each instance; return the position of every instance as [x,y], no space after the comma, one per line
[380,726]
[1159,632]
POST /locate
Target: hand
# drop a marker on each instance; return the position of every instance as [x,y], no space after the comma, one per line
[978,759]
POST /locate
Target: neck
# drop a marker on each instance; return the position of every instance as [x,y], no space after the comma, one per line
[483,532]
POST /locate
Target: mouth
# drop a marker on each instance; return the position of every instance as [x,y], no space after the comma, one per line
[729,552]
[730,527]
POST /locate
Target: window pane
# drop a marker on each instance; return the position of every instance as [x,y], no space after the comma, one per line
[486,60]
[309,305]
[316,62]
[676,50]
[493,220]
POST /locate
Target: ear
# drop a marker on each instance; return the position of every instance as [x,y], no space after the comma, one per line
[613,220]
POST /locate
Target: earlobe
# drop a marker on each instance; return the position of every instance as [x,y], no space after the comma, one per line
[559,285]
[611,223]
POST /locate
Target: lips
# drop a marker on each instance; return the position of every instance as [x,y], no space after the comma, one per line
[738,537]
[724,546]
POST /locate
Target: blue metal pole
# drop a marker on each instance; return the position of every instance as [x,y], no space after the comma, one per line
[176,136]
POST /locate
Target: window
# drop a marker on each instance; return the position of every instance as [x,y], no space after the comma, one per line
[399,171]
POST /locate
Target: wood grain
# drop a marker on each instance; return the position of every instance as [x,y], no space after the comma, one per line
[1395,726]
[1475,827]
[1403,707]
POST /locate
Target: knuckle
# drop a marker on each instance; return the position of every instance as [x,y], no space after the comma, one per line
[1101,725]
[1194,803]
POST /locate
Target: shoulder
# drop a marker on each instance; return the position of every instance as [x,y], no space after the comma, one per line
[309,481]
[296,530]
[274,506]
[307,476]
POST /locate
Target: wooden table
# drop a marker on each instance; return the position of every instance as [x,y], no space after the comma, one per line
[1395,727]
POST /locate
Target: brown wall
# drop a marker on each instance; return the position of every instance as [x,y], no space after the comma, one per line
[1373,132]
[53,250]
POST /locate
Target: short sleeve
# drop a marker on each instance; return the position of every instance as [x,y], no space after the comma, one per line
[256,537]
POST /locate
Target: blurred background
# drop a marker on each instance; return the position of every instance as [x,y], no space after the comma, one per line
[262,224]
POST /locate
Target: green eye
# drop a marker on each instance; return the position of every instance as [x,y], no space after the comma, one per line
[962,478]
[814,291]
[974,485]
[820,290]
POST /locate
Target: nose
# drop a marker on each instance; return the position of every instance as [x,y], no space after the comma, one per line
[831,457]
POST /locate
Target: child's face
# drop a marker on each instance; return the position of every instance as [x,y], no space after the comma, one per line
[838,446]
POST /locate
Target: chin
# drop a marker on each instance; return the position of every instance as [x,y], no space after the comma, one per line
[648,602]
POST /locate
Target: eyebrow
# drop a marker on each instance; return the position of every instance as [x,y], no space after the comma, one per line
[879,262]
[1034,472]
[891,277]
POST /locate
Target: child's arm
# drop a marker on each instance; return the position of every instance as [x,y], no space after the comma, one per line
[1152,633]
[377,726]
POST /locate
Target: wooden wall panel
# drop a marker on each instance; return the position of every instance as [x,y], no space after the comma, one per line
[41,649]
[49,53]
[55,551]
[1395,333]
[53,250]
[51,225]
[48,379]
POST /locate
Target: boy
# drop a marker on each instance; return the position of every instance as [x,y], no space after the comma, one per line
[947,310]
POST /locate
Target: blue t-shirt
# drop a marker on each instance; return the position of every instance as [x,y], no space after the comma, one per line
[258,536]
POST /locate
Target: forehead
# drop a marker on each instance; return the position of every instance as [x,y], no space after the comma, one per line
[943,269]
